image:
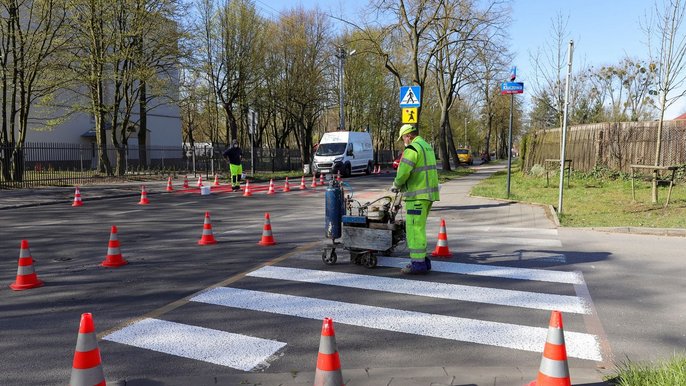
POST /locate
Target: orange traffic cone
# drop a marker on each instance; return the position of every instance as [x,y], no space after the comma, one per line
[77,198]
[216,180]
[302,183]
[321,180]
[169,185]
[442,249]
[87,366]
[271,187]
[554,370]
[199,184]
[114,258]
[328,371]
[286,188]
[246,190]
[185,182]
[207,236]
[314,182]
[144,197]
[267,238]
[26,276]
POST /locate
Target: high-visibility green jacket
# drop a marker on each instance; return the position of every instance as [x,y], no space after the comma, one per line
[417,176]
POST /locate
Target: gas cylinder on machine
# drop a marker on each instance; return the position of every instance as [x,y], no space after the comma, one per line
[335,208]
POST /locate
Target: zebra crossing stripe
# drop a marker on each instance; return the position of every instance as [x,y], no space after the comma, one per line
[511,240]
[219,347]
[579,345]
[497,296]
[506,230]
[492,271]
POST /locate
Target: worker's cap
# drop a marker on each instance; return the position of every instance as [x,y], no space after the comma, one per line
[404,129]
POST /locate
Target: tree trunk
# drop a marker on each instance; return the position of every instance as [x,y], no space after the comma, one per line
[143,126]
[658,147]
[442,146]
[451,143]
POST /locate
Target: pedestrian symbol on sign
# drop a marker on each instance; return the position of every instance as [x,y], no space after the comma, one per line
[409,115]
[410,96]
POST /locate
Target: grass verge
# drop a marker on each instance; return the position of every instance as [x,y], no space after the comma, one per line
[592,201]
[668,373]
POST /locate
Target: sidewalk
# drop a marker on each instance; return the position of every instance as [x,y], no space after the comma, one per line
[455,204]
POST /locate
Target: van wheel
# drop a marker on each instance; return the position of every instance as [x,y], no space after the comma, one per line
[368,171]
[347,172]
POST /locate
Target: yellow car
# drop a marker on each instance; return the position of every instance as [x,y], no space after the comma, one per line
[465,156]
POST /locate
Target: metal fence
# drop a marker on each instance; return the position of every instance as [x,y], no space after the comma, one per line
[58,164]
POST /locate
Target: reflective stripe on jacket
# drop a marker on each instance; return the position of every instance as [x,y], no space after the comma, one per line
[417,176]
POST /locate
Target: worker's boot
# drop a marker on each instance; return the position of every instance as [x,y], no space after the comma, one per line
[427,261]
[415,268]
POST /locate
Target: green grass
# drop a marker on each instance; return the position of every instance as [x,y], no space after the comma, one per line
[593,201]
[667,373]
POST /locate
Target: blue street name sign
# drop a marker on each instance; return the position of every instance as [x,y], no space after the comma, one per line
[511,88]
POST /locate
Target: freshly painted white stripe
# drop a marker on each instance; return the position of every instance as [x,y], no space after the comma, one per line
[219,347]
[505,230]
[434,222]
[491,271]
[502,297]
[579,345]
[509,240]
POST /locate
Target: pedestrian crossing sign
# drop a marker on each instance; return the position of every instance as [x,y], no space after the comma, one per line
[410,96]
[410,115]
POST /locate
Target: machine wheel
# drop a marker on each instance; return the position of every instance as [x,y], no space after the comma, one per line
[356,257]
[329,257]
[369,260]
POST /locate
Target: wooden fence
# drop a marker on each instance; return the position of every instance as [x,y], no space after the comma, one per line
[614,145]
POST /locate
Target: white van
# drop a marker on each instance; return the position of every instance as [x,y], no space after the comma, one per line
[344,151]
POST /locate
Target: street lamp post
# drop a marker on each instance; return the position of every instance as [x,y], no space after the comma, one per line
[342,55]
[465,132]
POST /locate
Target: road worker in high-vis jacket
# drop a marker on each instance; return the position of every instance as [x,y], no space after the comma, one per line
[417,178]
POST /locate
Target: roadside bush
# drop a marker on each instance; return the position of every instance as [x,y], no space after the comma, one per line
[537,170]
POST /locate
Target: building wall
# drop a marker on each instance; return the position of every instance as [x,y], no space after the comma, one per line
[164,127]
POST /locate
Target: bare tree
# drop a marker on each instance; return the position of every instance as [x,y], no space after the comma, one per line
[466,32]
[667,48]
[31,38]
[549,63]
[490,66]
[302,42]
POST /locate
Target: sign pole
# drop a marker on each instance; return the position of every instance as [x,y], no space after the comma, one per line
[564,128]
[252,145]
[513,76]
[509,145]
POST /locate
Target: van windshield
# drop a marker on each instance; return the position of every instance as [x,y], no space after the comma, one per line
[327,149]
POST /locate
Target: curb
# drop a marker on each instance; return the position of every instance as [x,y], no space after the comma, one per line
[671,232]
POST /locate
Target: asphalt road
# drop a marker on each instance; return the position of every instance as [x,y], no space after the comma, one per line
[625,291]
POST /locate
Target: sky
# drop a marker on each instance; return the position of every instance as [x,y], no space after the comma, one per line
[603,31]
